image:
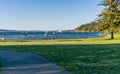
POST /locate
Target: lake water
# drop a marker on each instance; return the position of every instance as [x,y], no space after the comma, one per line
[36,35]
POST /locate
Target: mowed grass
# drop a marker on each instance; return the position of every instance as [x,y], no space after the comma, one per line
[79,56]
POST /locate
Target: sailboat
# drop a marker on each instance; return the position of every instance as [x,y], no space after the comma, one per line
[60,31]
[46,33]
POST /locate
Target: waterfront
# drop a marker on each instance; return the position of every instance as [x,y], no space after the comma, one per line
[37,35]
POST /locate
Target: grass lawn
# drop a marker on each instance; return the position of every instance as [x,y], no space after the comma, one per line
[79,56]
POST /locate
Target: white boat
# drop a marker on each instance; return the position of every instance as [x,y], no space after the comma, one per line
[53,33]
[46,33]
[60,31]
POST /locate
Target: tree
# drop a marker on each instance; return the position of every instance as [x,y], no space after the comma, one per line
[88,27]
[110,17]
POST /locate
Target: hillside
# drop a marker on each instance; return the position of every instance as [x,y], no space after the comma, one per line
[4,30]
[89,27]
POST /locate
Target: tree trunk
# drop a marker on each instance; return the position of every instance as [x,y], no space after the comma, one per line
[112,35]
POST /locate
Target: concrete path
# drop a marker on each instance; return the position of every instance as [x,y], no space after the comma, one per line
[27,63]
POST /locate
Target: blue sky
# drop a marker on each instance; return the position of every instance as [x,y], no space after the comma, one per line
[47,14]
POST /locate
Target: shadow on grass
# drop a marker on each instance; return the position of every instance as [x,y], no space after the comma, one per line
[78,59]
[60,40]
[15,41]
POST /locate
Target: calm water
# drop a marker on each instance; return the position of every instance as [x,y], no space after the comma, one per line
[32,35]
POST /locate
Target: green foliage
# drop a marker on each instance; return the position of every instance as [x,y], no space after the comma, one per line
[109,19]
[89,27]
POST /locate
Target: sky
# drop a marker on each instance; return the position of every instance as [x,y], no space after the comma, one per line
[47,14]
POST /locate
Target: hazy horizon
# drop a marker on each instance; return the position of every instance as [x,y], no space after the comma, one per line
[47,14]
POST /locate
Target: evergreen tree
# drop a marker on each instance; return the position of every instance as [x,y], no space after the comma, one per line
[110,17]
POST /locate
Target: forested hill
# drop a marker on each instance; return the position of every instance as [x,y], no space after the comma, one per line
[89,27]
[4,30]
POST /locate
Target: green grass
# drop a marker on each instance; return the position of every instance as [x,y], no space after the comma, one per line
[79,56]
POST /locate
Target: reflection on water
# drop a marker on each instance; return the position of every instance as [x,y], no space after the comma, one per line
[32,35]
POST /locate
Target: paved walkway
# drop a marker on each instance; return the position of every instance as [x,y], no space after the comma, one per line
[27,63]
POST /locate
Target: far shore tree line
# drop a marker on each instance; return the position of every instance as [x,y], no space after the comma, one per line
[108,20]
